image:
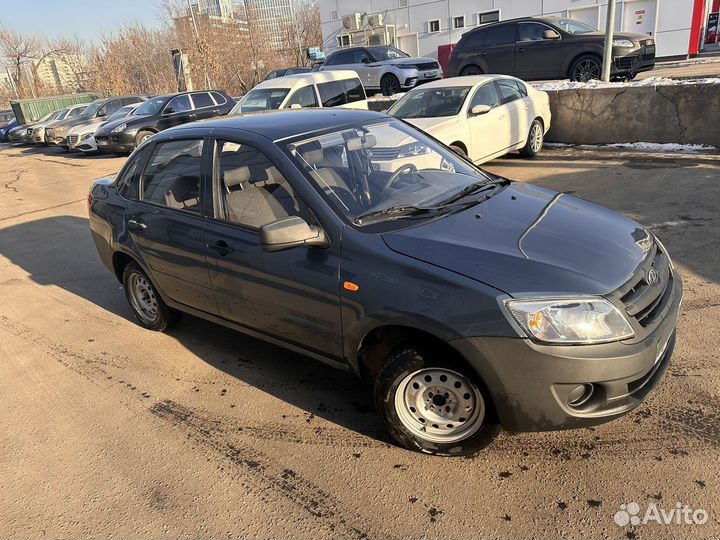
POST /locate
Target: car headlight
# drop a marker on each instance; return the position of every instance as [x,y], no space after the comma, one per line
[403,66]
[119,128]
[622,43]
[570,320]
[413,149]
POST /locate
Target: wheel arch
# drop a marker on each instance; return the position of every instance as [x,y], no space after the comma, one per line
[579,55]
[461,145]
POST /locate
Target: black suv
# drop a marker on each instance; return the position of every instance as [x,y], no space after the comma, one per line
[467,301]
[159,113]
[537,48]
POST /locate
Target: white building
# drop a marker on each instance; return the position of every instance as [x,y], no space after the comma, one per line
[419,27]
[216,8]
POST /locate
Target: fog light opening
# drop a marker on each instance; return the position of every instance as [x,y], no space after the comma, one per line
[580,395]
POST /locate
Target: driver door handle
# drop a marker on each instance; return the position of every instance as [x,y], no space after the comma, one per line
[136,225]
[221,246]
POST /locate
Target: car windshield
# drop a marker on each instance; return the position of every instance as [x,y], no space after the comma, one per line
[380,170]
[151,106]
[91,109]
[430,103]
[263,99]
[386,53]
[122,112]
[571,26]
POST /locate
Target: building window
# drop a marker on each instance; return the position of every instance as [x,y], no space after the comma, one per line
[459,21]
[333,16]
[343,40]
[434,25]
[485,17]
[402,3]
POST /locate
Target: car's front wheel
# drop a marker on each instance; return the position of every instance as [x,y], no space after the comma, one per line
[535,139]
[389,84]
[147,305]
[471,70]
[586,68]
[432,404]
[142,136]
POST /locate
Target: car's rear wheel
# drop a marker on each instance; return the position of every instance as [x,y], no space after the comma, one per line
[433,405]
[389,84]
[459,150]
[147,305]
[471,70]
[535,139]
[142,136]
[586,68]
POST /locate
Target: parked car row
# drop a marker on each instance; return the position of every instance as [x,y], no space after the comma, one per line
[119,123]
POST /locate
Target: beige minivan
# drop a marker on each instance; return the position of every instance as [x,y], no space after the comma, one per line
[314,89]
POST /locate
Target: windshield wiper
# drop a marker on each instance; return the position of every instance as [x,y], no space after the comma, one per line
[477,187]
[399,211]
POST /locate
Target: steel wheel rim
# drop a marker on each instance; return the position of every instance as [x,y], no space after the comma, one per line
[142,297]
[536,137]
[144,138]
[439,405]
[587,70]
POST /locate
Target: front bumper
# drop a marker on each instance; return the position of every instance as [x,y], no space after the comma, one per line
[115,142]
[636,60]
[530,383]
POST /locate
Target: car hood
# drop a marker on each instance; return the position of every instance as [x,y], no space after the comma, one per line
[403,61]
[70,122]
[83,123]
[107,127]
[529,240]
[634,36]
[434,125]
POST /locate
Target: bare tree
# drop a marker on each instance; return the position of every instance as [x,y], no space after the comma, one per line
[18,50]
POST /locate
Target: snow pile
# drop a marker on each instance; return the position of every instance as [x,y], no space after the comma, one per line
[652,81]
[658,148]
[380,97]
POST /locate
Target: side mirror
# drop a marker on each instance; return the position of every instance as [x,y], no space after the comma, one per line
[168,110]
[102,113]
[550,34]
[296,106]
[365,60]
[291,232]
[480,109]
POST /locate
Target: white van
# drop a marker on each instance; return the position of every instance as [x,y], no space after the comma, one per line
[314,89]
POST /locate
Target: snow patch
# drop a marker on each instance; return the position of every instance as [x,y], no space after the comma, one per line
[380,97]
[642,146]
[652,81]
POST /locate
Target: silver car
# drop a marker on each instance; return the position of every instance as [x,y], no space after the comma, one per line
[384,68]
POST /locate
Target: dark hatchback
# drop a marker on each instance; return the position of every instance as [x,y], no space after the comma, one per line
[159,113]
[535,48]
[468,301]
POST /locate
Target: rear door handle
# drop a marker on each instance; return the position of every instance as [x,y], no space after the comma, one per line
[136,225]
[221,246]
[521,49]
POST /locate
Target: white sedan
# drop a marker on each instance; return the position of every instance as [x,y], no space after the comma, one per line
[479,116]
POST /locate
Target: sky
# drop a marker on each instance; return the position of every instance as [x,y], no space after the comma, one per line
[86,18]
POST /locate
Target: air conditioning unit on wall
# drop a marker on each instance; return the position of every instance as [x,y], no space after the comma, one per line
[375,20]
[353,21]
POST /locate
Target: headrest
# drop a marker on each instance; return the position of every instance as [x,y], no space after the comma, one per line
[314,157]
[235,177]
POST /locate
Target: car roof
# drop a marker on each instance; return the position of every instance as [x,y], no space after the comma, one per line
[275,125]
[545,18]
[464,80]
[297,80]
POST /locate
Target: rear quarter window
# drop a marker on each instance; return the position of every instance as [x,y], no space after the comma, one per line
[354,90]
[219,98]
[202,99]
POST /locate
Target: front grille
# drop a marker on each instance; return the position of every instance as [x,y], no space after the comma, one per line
[625,62]
[643,298]
[72,140]
[384,153]
[427,65]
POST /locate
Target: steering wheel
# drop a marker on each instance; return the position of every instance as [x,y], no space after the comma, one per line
[408,168]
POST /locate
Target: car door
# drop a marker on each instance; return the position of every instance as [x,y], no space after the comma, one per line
[165,221]
[514,108]
[489,132]
[367,69]
[179,110]
[498,49]
[203,105]
[537,57]
[291,294]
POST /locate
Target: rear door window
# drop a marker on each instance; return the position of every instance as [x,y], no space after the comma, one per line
[499,35]
[172,176]
[354,90]
[202,100]
[508,90]
[332,93]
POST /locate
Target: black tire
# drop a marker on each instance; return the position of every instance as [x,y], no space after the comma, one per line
[536,137]
[586,68]
[142,135]
[394,384]
[389,84]
[458,150]
[165,316]
[471,70]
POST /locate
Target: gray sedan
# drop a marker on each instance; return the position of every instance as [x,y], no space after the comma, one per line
[384,68]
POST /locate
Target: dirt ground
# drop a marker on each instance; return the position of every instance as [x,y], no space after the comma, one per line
[108,430]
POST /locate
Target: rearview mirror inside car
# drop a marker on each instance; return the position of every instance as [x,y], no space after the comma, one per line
[551,34]
[291,232]
[480,109]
